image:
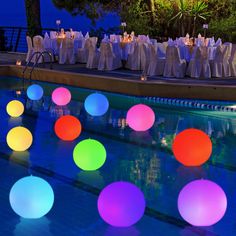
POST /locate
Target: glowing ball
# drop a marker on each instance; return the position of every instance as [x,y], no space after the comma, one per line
[31,197]
[140,117]
[89,154]
[121,204]
[96,104]
[34,92]
[192,147]
[61,96]
[15,108]
[67,128]
[19,139]
[202,203]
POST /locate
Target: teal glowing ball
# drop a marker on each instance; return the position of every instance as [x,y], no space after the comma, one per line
[96,104]
[35,92]
[31,197]
[89,154]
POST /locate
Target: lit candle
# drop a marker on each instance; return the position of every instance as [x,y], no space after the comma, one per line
[18,62]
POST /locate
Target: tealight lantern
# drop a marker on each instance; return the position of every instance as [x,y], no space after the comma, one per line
[89,154]
[31,197]
[15,108]
[140,117]
[96,104]
[61,96]
[192,147]
[19,139]
[18,62]
[202,203]
[121,204]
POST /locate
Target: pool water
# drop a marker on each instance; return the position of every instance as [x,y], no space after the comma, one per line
[143,158]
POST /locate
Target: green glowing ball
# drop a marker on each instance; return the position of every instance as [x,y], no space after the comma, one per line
[89,154]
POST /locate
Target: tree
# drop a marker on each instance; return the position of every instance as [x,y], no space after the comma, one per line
[33,17]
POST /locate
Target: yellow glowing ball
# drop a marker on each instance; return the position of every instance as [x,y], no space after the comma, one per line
[15,108]
[19,139]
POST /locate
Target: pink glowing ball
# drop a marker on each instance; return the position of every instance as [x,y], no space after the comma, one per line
[121,204]
[202,203]
[61,96]
[140,117]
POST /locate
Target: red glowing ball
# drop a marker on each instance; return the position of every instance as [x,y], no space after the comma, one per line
[192,147]
[67,128]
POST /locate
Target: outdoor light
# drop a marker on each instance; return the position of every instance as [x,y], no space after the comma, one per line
[15,108]
[61,96]
[192,147]
[121,204]
[67,128]
[96,104]
[89,154]
[202,203]
[35,92]
[31,197]
[140,117]
[19,139]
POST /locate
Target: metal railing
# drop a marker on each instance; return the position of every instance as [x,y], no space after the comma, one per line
[13,39]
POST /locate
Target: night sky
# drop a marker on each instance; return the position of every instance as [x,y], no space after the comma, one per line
[12,13]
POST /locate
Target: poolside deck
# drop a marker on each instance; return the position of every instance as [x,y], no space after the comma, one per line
[124,81]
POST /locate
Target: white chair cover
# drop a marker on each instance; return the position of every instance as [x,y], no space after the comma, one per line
[232,61]
[199,64]
[156,64]
[82,53]
[30,48]
[108,60]
[220,65]
[174,66]
[53,34]
[38,47]
[93,54]
[66,51]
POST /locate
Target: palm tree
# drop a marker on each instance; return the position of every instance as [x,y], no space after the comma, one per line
[33,17]
[183,13]
[199,11]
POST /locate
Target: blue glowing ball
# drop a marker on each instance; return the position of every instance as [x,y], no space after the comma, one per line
[35,92]
[96,104]
[31,197]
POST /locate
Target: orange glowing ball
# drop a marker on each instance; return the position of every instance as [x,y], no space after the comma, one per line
[192,147]
[67,128]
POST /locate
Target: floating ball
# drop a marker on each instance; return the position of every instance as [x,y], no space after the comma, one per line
[192,147]
[31,197]
[96,104]
[67,128]
[35,92]
[15,108]
[19,139]
[89,154]
[140,117]
[61,96]
[121,204]
[202,203]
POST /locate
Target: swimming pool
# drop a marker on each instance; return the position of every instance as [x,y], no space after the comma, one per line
[142,158]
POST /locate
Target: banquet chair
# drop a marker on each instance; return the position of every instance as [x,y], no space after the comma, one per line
[139,57]
[30,48]
[174,66]
[47,43]
[38,47]
[82,53]
[108,60]
[66,51]
[93,54]
[199,65]
[220,65]
[156,64]
[232,61]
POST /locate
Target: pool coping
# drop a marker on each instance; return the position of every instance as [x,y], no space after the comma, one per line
[152,88]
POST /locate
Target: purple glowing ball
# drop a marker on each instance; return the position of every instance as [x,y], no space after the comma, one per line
[140,117]
[121,204]
[202,203]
